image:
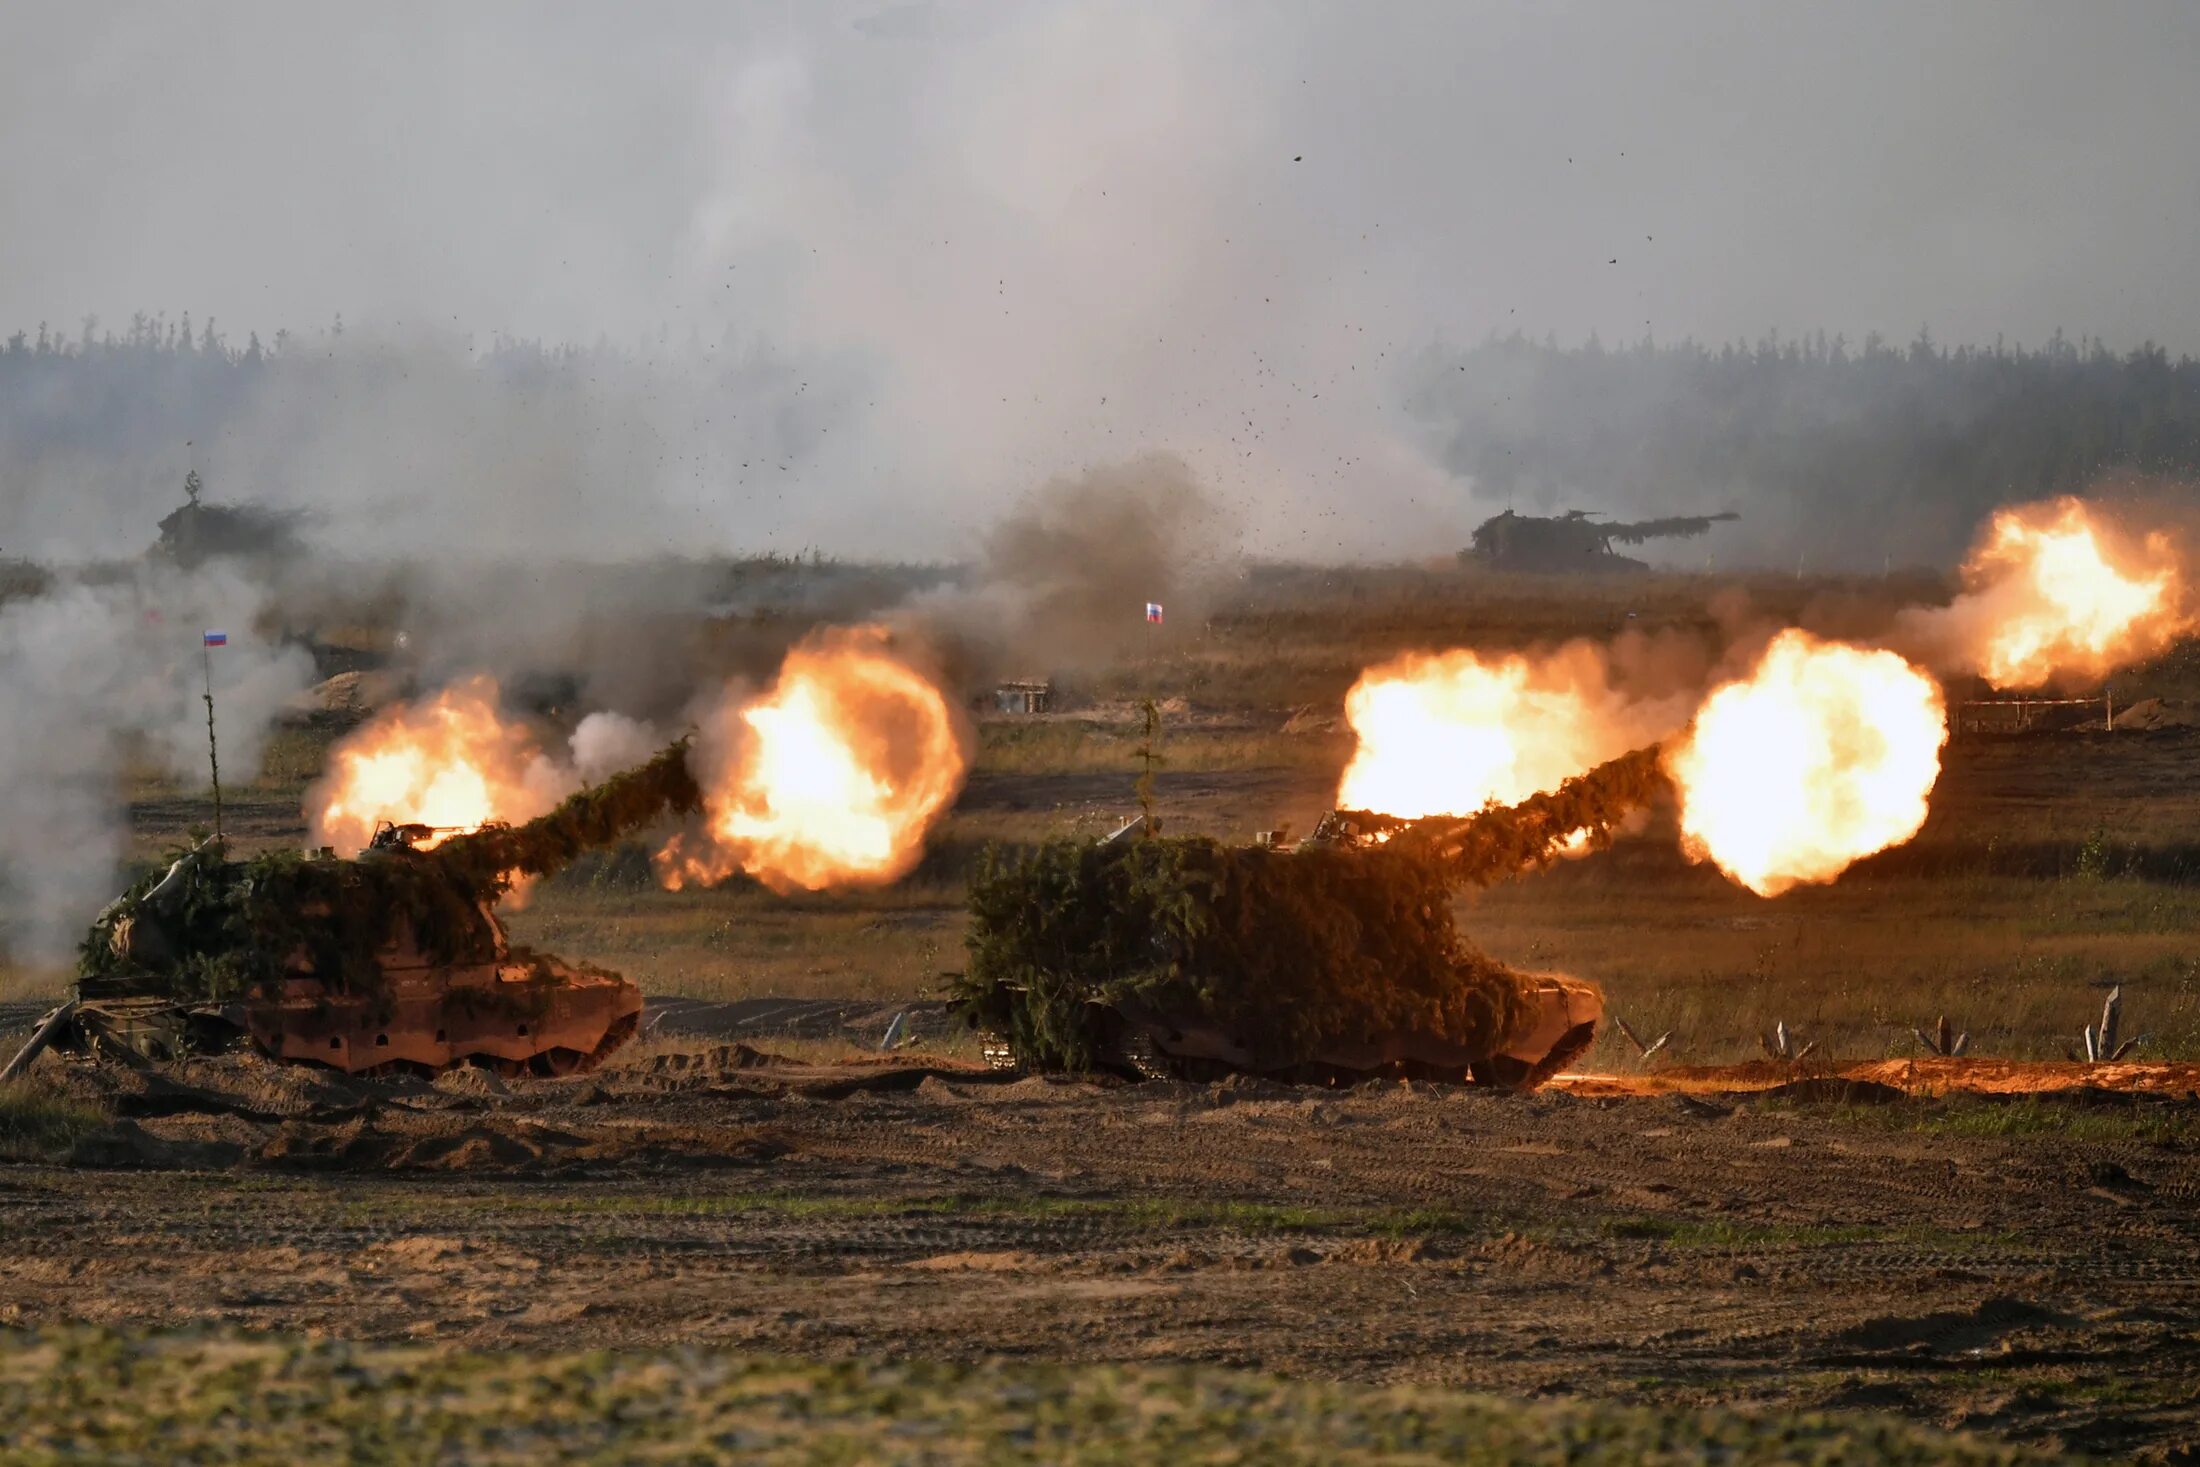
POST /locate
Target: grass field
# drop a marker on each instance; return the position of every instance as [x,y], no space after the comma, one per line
[73,1396]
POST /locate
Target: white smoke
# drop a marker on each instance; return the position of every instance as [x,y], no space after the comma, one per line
[96,678]
[603,744]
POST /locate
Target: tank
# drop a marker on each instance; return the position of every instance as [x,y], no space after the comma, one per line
[196,531]
[1578,540]
[394,960]
[1330,962]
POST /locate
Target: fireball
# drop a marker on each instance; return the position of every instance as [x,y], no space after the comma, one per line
[453,761]
[1448,733]
[1821,755]
[831,778]
[2055,593]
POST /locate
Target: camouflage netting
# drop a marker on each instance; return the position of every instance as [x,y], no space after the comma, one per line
[1290,953]
[591,820]
[230,925]
[1503,840]
[225,926]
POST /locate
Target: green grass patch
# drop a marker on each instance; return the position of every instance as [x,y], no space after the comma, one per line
[1721,1233]
[38,1125]
[1692,1233]
[1129,1212]
[82,1395]
[2040,1116]
[2025,1117]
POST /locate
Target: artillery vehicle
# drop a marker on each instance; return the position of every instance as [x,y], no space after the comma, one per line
[1578,540]
[1329,963]
[197,531]
[394,960]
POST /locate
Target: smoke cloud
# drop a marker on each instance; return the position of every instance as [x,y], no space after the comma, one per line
[876,268]
[98,676]
[1061,582]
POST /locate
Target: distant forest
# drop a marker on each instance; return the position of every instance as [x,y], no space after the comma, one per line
[1847,457]
[1838,457]
[161,380]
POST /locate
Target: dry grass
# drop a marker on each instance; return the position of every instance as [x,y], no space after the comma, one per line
[1057,746]
[2021,963]
[38,1125]
[73,1395]
[958,1046]
[739,942]
[1292,636]
[20,981]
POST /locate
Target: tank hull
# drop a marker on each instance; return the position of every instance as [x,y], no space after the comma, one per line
[1146,1044]
[542,1016]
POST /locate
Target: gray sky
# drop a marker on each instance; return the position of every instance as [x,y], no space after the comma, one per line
[1043,234]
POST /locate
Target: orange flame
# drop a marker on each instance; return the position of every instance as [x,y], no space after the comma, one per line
[453,761]
[2055,592]
[1821,755]
[1448,733]
[832,778]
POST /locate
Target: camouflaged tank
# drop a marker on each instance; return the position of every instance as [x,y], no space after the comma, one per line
[392,960]
[199,531]
[1326,963]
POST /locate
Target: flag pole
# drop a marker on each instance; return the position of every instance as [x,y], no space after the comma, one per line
[213,755]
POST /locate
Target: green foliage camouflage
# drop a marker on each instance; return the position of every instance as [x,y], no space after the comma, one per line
[591,820]
[232,925]
[1507,839]
[1290,952]
[225,927]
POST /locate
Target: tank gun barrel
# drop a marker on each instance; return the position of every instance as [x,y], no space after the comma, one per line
[1497,842]
[1672,527]
[594,818]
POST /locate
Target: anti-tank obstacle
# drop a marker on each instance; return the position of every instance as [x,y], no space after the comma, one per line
[1643,1051]
[2104,1043]
[1943,1041]
[1780,1045]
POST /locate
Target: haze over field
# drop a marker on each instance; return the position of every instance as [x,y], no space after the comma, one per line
[867,273]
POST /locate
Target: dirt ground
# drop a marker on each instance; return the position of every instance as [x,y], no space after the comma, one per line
[2025,1268]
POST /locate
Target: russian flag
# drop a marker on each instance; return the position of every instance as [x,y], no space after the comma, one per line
[216,639]
[1153,611]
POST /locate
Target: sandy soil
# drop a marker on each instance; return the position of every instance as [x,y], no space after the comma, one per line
[1673,1248]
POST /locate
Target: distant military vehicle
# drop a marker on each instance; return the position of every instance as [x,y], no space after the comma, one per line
[1578,540]
[198,532]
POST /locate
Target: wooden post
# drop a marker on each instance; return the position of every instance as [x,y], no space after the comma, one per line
[213,755]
